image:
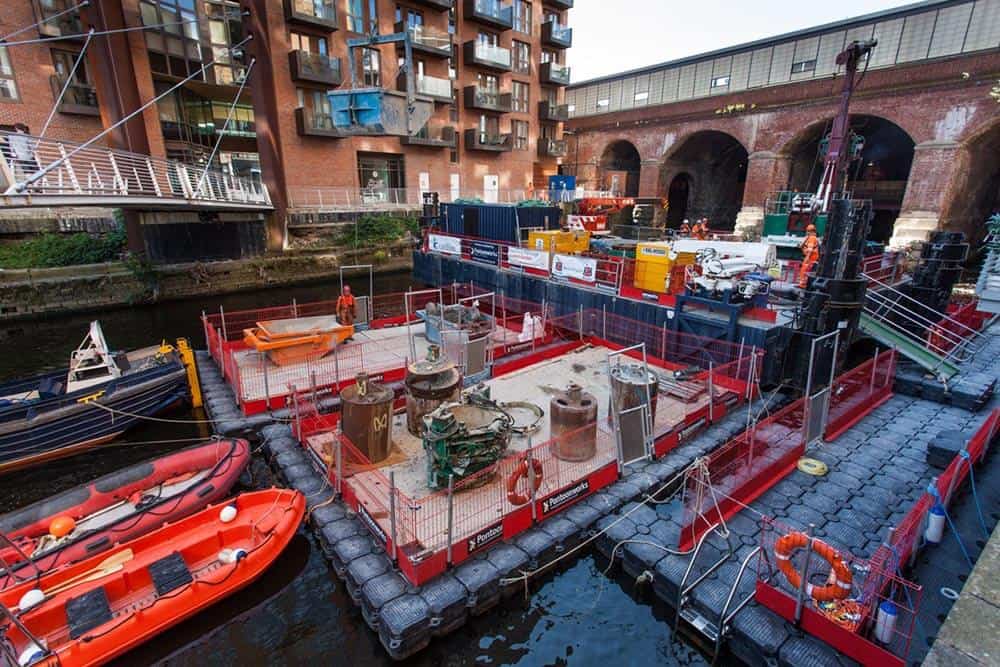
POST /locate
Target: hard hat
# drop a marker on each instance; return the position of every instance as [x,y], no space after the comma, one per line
[811,228]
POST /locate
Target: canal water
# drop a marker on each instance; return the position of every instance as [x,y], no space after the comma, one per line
[300,611]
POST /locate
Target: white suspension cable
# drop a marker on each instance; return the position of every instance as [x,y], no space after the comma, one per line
[222,133]
[18,188]
[66,84]
[36,24]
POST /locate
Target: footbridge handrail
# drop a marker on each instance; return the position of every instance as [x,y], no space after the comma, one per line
[80,173]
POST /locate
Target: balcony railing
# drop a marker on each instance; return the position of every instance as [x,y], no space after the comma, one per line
[551,147]
[315,68]
[487,141]
[79,99]
[490,12]
[441,90]
[553,112]
[557,35]
[486,99]
[440,5]
[316,124]
[319,13]
[426,40]
[442,137]
[561,4]
[554,74]
[480,54]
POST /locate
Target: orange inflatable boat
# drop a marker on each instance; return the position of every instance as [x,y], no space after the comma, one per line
[99,608]
[297,339]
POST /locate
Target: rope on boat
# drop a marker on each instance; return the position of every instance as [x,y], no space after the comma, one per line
[975,496]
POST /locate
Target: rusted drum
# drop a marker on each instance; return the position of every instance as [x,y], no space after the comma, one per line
[429,383]
[366,417]
[573,428]
[629,386]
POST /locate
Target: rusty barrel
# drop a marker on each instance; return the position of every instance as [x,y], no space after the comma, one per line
[366,417]
[573,424]
[429,383]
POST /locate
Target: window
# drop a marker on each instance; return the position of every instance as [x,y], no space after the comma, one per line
[522,57]
[371,67]
[174,44]
[355,16]
[413,18]
[641,97]
[549,56]
[520,102]
[8,86]
[601,104]
[453,156]
[549,17]
[489,128]
[547,131]
[373,16]
[804,66]
[488,82]
[378,172]
[451,19]
[309,43]
[720,81]
[571,108]
[522,16]
[520,128]
[488,38]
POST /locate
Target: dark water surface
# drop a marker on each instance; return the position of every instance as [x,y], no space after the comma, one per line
[299,612]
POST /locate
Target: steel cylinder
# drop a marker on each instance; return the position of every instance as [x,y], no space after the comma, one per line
[429,383]
[573,424]
[366,417]
[629,386]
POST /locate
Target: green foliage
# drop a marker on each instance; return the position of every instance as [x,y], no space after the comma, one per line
[371,230]
[51,250]
[533,203]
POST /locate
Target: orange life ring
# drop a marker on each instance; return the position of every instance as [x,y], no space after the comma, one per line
[515,497]
[839,586]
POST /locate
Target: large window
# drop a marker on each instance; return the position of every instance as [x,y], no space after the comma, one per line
[373,16]
[522,57]
[522,16]
[520,128]
[174,43]
[488,83]
[521,101]
[79,91]
[356,15]
[310,43]
[371,67]
[488,38]
[8,86]
[378,173]
[489,128]
[225,29]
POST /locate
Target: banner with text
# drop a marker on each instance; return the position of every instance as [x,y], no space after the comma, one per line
[592,223]
[448,245]
[576,268]
[487,253]
[531,259]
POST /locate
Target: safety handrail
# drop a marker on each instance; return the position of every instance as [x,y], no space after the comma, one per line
[726,616]
[682,590]
[944,355]
[972,333]
[893,307]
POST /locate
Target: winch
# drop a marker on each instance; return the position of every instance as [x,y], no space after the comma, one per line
[460,439]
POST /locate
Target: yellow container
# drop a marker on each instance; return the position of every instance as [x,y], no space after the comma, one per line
[566,243]
[654,265]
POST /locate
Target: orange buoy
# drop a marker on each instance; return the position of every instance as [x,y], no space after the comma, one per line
[61,526]
[515,496]
[839,586]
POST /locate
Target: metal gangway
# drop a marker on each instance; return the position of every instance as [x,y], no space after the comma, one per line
[886,313]
[42,172]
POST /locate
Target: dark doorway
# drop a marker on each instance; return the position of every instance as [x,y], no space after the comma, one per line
[620,165]
[977,193]
[713,167]
[677,199]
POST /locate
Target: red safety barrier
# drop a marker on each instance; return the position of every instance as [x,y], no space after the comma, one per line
[964,320]
[859,391]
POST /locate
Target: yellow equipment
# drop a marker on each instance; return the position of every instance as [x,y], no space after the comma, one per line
[654,265]
[562,242]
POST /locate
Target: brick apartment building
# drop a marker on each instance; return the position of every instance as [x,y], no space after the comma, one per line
[492,69]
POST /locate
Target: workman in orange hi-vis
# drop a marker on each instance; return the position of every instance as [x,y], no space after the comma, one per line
[685,228]
[346,310]
[810,254]
[700,229]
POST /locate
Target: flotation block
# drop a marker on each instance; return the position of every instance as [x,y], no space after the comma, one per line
[839,586]
[515,496]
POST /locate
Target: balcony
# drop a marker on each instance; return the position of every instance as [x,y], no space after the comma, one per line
[487,56]
[559,4]
[553,74]
[308,67]
[551,147]
[440,90]
[316,13]
[553,112]
[487,100]
[443,137]
[557,35]
[311,124]
[80,98]
[487,141]
[425,40]
[440,5]
[490,12]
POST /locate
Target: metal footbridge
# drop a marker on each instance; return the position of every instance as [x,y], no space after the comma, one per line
[40,172]
[890,316]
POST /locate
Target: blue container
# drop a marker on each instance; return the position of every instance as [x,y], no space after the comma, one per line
[497,222]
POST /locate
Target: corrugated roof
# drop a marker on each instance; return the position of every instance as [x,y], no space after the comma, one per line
[911,8]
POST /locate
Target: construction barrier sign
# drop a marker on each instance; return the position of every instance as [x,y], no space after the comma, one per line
[447,245]
[575,268]
[532,259]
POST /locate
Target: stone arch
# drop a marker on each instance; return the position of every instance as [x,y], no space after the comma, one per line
[619,168]
[881,174]
[715,164]
[974,194]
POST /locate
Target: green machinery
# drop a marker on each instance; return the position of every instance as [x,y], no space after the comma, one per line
[461,439]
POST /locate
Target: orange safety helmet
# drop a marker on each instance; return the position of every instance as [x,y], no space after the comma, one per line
[810,228]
